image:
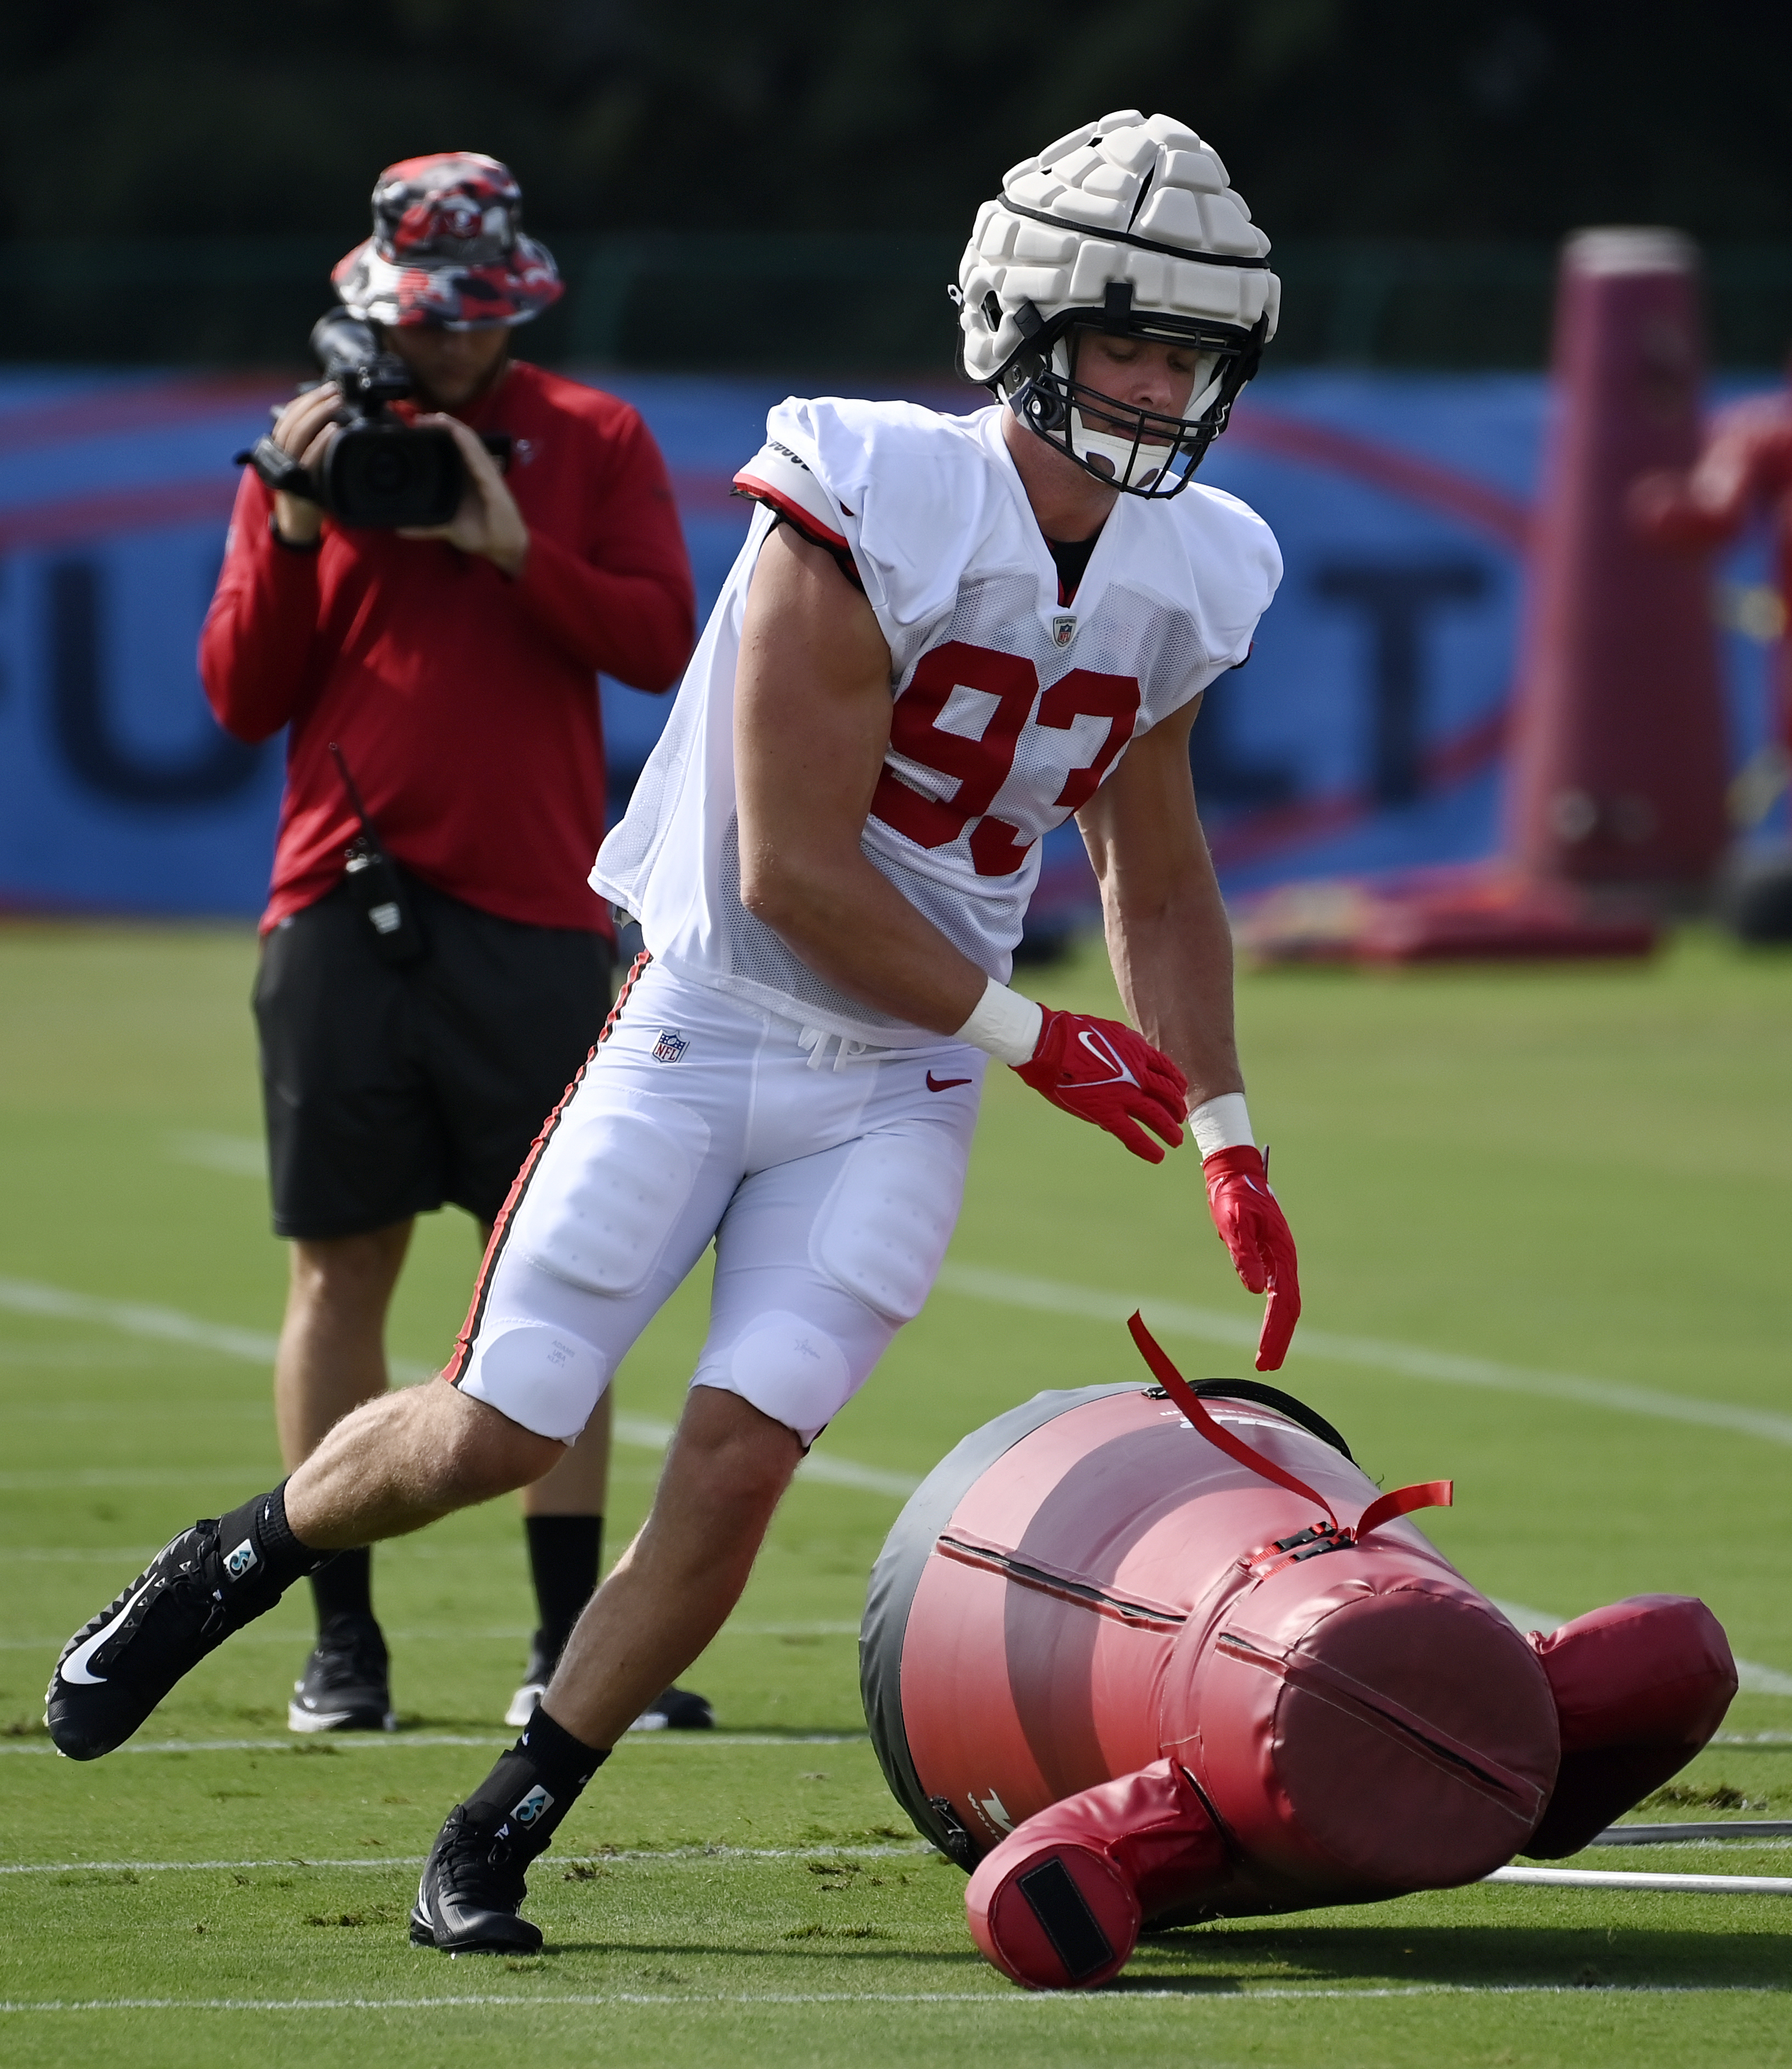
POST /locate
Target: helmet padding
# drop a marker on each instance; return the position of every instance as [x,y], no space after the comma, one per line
[1130,224]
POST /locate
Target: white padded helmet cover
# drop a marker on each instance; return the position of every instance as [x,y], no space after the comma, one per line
[1152,178]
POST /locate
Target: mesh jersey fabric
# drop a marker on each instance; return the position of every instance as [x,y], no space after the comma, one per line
[1010,709]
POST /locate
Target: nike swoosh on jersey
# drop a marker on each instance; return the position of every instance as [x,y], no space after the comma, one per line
[943,1084]
[74,1668]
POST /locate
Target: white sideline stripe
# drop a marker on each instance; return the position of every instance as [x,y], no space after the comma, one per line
[1752,1678]
[405,1741]
[837,1627]
[238,1156]
[1011,1289]
[1173,1318]
[912,1850]
[1706,1885]
[1105,1999]
[623,1856]
[132,1318]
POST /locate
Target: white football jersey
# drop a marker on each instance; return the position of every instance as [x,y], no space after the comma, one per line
[1011,706]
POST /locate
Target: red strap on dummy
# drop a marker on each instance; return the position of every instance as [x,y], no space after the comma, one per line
[1399,1501]
[1402,1501]
[1189,1401]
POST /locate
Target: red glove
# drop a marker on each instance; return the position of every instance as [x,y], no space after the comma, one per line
[1101,1071]
[1254,1228]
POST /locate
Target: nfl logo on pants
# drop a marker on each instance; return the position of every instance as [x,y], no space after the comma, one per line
[670,1045]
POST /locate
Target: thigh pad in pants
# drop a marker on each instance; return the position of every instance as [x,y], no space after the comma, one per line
[600,1210]
[820,1262]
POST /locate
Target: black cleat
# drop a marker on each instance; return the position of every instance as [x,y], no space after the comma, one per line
[346,1686]
[119,1664]
[674,1710]
[542,1659]
[677,1710]
[471,1891]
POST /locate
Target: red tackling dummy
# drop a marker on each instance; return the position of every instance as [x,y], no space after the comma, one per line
[1101,1071]
[1127,1678]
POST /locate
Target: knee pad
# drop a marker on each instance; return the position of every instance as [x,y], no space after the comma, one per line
[883,1230]
[603,1203]
[789,1369]
[544,1378]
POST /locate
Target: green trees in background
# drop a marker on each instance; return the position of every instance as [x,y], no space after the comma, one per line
[1476,119]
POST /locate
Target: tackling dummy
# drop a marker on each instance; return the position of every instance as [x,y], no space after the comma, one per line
[1133,1661]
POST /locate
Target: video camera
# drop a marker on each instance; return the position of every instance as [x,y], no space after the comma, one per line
[376,471]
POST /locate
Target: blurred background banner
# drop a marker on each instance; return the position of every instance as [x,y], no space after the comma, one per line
[1366,734]
[748,202]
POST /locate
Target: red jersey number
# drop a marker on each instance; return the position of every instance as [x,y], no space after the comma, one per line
[978,768]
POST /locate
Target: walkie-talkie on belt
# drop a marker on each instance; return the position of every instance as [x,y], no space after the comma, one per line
[375,884]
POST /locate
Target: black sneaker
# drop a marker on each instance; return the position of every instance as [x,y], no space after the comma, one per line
[345,1686]
[676,1710]
[119,1664]
[471,1891]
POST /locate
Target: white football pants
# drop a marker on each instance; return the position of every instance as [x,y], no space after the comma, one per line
[829,1176]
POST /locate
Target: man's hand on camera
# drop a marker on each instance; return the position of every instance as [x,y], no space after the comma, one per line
[488,520]
[304,430]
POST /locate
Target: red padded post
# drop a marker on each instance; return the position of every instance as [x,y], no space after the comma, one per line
[1618,763]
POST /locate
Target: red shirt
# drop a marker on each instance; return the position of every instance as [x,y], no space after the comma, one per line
[465,703]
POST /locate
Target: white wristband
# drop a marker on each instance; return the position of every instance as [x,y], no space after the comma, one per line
[1004,1025]
[1222,1124]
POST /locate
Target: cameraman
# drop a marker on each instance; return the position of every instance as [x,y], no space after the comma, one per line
[455,670]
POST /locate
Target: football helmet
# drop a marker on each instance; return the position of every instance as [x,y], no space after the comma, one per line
[1129,226]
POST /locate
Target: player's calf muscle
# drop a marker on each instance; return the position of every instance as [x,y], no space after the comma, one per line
[401,1462]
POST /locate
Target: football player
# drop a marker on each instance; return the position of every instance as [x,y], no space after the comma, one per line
[942,636]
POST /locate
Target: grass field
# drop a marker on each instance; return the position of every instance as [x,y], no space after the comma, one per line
[1543,1221]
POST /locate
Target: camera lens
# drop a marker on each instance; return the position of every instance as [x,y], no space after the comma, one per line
[386,473]
[390,474]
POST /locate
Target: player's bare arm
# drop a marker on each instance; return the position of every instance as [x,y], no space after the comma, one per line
[812,727]
[1168,935]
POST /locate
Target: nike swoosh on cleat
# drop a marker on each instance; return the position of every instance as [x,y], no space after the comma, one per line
[943,1084]
[73,1667]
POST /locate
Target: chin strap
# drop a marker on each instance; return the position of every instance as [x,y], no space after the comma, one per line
[1399,1501]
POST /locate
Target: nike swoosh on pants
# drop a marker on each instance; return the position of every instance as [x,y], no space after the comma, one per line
[943,1084]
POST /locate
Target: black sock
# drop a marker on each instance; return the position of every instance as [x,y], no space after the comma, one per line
[536,1784]
[262,1557]
[345,1586]
[564,1554]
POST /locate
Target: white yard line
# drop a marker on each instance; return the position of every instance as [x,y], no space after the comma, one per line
[1009,1289]
[337,1742]
[623,1856]
[1108,1999]
[133,1318]
[237,1156]
[506,1634]
[1173,1318]
[1694,1885]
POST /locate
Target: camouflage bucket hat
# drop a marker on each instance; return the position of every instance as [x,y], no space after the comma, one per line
[448,248]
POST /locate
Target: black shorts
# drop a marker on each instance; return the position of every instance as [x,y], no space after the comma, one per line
[389,1092]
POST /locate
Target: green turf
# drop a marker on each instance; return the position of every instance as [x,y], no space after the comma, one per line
[1584,1172]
